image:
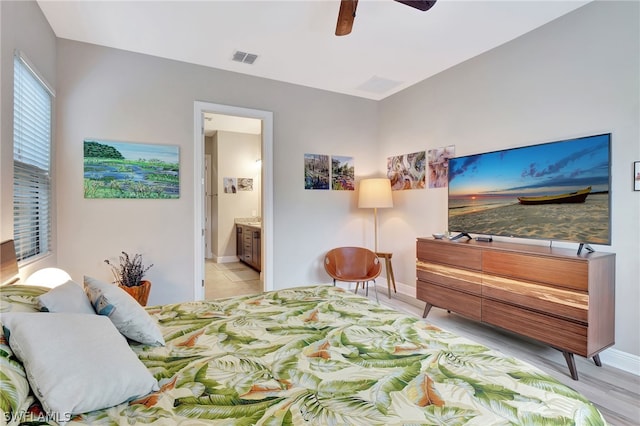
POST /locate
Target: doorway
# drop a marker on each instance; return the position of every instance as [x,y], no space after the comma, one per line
[264,210]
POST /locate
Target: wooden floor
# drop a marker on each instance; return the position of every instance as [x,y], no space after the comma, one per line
[616,393]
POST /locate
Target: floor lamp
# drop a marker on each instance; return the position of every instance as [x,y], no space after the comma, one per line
[375,194]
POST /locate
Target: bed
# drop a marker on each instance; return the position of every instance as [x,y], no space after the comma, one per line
[311,355]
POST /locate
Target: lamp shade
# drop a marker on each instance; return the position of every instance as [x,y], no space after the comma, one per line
[375,193]
[48,277]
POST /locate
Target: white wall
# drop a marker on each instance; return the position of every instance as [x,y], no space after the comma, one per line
[237,155]
[576,76]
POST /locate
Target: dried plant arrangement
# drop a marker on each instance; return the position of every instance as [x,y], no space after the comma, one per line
[130,271]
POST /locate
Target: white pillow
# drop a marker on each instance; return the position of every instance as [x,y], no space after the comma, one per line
[68,297]
[124,311]
[76,363]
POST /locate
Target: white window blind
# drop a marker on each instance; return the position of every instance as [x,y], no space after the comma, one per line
[31,161]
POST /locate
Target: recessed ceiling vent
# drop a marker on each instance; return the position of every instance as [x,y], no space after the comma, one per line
[244,57]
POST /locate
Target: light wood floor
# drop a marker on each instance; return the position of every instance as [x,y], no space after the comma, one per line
[616,393]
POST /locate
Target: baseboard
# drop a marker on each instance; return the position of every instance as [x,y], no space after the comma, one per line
[621,360]
[612,357]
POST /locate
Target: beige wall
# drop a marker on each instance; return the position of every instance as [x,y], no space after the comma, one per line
[576,76]
[118,95]
[237,154]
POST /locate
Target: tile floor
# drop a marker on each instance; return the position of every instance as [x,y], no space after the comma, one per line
[230,279]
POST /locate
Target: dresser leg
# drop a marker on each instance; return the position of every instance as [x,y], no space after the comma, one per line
[571,363]
[427,308]
[596,359]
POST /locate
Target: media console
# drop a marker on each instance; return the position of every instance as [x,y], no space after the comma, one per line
[549,294]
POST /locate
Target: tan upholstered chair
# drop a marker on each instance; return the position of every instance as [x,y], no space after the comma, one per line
[354,265]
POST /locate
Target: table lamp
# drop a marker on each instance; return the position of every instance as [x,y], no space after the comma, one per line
[48,277]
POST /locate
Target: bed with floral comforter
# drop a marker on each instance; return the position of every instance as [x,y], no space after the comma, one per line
[322,356]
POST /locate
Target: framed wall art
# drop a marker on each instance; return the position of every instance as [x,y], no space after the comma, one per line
[342,173]
[130,170]
[407,171]
[316,171]
[439,166]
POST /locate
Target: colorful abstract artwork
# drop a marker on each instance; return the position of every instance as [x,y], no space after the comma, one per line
[407,171]
[439,166]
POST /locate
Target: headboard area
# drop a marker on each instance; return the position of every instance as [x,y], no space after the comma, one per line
[8,263]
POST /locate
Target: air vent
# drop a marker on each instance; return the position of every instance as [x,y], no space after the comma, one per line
[379,85]
[244,57]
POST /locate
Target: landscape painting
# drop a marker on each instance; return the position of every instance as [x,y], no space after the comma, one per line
[342,173]
[130,170]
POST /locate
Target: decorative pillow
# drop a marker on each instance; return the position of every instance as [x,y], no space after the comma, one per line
[76,363]
[126,313]
[20,298]
[68,297]
[14,388]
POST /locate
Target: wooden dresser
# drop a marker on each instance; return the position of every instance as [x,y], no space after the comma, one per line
[552,295]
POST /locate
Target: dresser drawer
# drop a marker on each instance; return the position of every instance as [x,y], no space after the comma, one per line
[566,273]
[464,304]
[569,304]
[447,276]
[449,253]
[556,332]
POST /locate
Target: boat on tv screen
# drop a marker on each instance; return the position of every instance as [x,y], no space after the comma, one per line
[552,191]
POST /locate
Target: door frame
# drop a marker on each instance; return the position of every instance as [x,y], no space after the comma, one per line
[199,109]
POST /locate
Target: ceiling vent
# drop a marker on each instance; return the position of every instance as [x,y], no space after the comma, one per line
[244,57]
[379,85]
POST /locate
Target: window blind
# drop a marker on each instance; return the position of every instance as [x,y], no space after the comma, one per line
[31,161]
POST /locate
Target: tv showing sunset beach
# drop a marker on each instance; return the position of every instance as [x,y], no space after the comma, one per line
[558,191]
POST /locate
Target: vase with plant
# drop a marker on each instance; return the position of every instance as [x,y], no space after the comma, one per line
[128,276]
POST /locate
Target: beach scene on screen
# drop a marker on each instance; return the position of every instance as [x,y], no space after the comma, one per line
[556,191]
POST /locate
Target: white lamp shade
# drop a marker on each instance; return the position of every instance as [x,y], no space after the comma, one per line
[48,277]
[375,193]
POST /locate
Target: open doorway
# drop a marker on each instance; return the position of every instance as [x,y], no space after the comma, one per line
[233,212]
[263,210]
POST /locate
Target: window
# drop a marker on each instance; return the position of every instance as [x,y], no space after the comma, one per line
[32,105]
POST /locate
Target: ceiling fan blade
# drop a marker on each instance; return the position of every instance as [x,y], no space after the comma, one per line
[345,16]
[423,5]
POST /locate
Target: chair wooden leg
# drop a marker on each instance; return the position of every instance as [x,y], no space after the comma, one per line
[375,289]
[357,286]
[393,278]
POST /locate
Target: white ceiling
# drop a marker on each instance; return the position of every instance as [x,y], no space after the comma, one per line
[392,46]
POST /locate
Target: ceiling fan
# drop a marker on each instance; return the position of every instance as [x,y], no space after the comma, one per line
[347,12]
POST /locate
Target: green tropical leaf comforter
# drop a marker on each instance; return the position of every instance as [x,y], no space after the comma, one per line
[323,356]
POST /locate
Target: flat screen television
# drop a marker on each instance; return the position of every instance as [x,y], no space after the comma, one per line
[558,191]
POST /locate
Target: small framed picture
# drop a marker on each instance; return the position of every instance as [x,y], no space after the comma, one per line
[636,176]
